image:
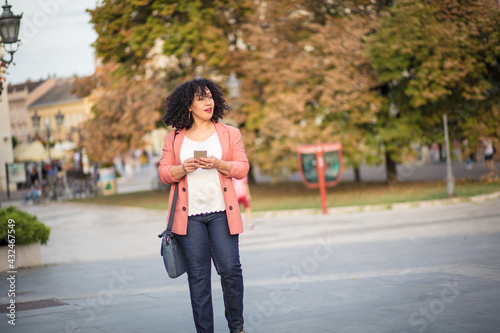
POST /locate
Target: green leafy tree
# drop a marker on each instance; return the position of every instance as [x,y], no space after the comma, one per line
[434,57]
[147,48]
[195,36]
[307,81]
[310,74]
[300,61]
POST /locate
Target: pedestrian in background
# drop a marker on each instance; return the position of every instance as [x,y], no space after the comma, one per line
[489,151]
[468,154]
[33,190]
[207,217]
[243,194]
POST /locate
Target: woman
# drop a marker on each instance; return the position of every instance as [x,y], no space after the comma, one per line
[207,217]
[243,194]
[489,152]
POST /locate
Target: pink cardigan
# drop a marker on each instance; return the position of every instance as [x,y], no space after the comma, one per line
[232,150]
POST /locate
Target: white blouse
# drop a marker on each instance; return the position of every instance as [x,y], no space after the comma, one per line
[204,189]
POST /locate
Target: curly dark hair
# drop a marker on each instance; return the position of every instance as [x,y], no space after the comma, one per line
[176,106]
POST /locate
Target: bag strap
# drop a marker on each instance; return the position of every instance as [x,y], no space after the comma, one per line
[168,231]
[172,211]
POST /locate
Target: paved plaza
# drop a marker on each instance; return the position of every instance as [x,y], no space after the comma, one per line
[427,269]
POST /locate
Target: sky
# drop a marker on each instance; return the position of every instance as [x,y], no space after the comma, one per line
[56,40]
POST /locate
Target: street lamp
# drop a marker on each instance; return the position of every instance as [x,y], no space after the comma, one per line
[48,132]
[36,121]
[9,30]
[59,120]
[51,174]
[233,86]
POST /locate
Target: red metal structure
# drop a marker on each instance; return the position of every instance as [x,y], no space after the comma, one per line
[321,166]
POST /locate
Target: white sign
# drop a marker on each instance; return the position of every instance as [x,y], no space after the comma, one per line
[17,172]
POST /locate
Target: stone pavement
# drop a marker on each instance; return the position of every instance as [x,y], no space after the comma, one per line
[426,269]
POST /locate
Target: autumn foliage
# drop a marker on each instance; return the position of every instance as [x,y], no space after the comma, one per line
[124,110]
[376,75]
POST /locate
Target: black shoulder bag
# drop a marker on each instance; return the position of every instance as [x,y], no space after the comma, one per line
[171,251]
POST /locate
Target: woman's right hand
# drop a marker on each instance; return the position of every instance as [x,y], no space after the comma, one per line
[180,171]
[190,165]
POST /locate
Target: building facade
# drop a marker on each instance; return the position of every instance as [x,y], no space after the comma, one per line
[6,152]
[20,96]
[59,100]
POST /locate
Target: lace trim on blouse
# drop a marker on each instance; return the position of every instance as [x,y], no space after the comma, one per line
[204,188]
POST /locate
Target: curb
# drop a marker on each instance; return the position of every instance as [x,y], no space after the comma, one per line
[375,208]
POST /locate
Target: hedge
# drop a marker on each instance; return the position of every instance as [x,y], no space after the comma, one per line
[27,227]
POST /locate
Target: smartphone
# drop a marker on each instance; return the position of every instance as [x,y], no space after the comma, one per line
[200,153]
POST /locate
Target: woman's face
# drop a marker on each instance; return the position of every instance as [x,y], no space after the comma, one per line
[202,107]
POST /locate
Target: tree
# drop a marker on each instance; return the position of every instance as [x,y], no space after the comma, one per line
[301,63]
[149,47]
[306,81]
[194,36]
[348,100]
[310,73]
[124,110]
[434,57]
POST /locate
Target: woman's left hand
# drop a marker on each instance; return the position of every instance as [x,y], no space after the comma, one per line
[208,163]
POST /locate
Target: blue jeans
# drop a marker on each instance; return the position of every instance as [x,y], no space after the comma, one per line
[207,239]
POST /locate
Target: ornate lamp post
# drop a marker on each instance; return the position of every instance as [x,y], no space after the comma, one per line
[59,120]
[9,32]
[233,90]
[48,132]
[51,174]
[36,121]
[233,86]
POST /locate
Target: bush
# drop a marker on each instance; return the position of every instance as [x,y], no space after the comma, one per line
[28,228]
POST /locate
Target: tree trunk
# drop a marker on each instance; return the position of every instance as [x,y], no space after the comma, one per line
[357,175]
[442,156]
[390,168]
[383,3]
[250,177]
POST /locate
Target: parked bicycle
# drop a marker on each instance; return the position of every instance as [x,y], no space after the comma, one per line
[32,194]
[84,188]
